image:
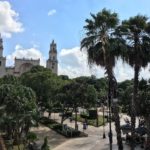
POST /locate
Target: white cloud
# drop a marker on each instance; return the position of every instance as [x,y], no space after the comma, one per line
[28,53]
[145,72]
[51,12]
[9,20]
[123,71]
[73,62]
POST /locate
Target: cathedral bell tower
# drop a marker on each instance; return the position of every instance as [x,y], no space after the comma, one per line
[52,62]
[1,46]
[2,59]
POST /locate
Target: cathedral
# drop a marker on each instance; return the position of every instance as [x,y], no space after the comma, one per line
[23,65]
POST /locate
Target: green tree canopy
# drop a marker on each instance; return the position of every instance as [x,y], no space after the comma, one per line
[19,109]
[45,84]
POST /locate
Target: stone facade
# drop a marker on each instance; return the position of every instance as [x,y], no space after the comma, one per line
[23,65]
[52,61]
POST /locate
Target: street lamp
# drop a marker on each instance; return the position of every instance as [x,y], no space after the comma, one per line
[112,97]
[109,109]
[104,136]
[110,130]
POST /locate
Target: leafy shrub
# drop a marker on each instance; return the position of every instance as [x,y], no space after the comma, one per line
[45,145]
[92,114]
[68,114]
[31,136]
[68,132]
[85,116]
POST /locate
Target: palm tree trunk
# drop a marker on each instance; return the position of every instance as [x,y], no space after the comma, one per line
[117,125]
[133,105]
[113,88]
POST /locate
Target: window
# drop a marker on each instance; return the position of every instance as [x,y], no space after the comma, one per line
[52,66]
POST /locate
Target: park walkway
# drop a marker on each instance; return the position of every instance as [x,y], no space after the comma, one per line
[94,141]
[54,139]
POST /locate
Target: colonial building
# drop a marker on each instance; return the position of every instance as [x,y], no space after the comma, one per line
[52,62]
[23,65]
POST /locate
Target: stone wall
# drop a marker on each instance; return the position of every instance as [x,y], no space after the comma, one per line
[23,65]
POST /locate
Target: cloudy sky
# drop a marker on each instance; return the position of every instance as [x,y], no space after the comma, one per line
[28,27]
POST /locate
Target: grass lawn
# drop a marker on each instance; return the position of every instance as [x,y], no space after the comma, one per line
[16,147]
[92,122]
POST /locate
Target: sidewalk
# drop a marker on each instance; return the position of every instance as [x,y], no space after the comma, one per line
[94,141]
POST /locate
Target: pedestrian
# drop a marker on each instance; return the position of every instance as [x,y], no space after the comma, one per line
[84,126]
[70,119]
[110,135]
[77,127]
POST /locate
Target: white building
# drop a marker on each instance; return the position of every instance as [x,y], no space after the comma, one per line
[23,65]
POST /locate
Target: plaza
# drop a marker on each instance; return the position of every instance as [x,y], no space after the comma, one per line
[90,90]
[94,141]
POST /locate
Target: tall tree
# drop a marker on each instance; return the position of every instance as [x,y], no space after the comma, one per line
[76,94]
[9,79]
[101,45]
[136,32]
[19,110]
[45,84]
[125,89]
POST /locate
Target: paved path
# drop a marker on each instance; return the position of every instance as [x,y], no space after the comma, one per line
[94,141]
[54,139]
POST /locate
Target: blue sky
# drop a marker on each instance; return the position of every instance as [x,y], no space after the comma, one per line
[40,21]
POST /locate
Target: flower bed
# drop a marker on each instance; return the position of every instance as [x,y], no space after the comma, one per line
[64,130]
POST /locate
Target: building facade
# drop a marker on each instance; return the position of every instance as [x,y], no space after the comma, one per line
[52,62]
[24,64]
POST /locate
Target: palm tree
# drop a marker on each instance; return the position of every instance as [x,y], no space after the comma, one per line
[144,106]
[136,32]
[100,44]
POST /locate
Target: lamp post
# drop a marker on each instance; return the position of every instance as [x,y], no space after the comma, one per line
[117,120]
[110,128]
[112,97]
[97,117]
[104,136]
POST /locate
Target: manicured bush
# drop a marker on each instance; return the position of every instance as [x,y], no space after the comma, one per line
[68,131]
[57,110]
[46,121]
[92,114]
[68,114]
[92,122]
[85,116]
[31,136]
